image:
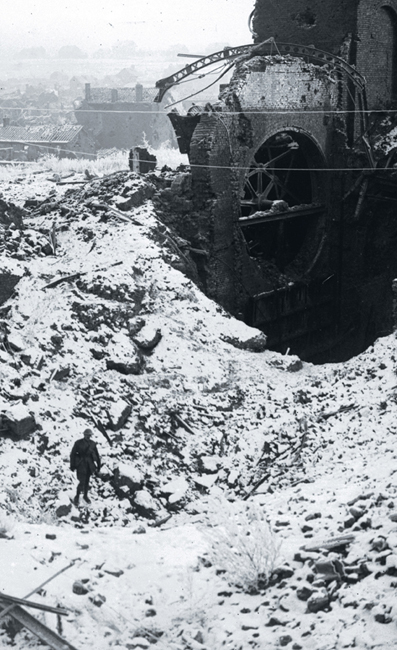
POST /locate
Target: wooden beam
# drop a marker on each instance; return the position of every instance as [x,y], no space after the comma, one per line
[28,603]
[44,633]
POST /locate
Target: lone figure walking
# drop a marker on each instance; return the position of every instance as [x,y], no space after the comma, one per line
[85,459]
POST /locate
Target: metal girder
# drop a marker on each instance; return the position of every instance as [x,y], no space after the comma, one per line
[267,48]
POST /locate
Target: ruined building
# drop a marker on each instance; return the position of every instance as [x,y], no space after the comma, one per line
[293,188]
[31,142]
[123,117]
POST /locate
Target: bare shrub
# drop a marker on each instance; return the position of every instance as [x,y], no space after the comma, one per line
[242,544]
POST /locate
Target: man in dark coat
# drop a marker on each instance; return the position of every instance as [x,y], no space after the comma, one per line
[86,461]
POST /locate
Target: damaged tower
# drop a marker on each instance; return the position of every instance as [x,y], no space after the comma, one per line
[294,175]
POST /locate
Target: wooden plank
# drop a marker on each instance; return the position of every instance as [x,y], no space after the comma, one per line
[40,630]
[329,544]
[28,603]
[264,217]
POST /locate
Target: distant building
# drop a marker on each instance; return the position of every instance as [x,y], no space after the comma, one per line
[29,142]
[123,117]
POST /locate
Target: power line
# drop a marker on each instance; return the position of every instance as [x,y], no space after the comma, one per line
[321,111]
[56,149]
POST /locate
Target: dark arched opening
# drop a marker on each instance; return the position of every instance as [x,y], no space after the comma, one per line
[281,199]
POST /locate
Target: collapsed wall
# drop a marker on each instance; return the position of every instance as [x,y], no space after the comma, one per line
[298,236]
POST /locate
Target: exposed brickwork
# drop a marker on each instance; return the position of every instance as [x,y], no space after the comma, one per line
[323,23]
[318,280]
[227,143]
[377,49]
[364,32]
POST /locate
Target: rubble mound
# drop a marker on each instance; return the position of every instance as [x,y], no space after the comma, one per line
[107,328]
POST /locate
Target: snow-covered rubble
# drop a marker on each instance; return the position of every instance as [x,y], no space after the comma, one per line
[112,332]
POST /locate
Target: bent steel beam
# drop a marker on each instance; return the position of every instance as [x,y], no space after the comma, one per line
[267,48]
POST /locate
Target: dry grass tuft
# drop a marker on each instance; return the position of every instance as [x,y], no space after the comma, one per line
[242,544]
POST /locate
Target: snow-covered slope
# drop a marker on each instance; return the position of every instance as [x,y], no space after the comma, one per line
[184,417]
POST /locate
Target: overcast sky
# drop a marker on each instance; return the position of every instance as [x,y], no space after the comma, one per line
[152,24]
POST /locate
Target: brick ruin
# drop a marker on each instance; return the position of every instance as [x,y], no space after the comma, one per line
[123,117]
[292,192]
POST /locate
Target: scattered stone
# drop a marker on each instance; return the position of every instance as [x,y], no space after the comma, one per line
[295,366]
[141,530]
[127,476]
[314,515]
[118,414]
[379,544]
[285,640]
[349,522]
[357,512]
[61,374]
[330,570]
[50,536]
[145,504]
[304,593]
[98,600]
[16,342]
[18,421]
[381,615]
[317,603]
[273,622]
[131,367]
[306,528]
[175,487]
[63,509]
[283,572]
[209,464]
[150,612]
[79,588]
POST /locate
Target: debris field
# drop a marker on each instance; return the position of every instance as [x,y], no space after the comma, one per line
[106,327]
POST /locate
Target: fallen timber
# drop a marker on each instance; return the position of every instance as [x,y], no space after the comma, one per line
[44,633]
[28,603]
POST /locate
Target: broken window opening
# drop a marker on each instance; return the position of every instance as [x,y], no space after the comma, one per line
[305,19]
[279,205]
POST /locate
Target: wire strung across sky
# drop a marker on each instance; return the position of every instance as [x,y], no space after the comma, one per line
[79,154]
[321,111]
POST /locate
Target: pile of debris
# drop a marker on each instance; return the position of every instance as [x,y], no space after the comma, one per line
[102,329]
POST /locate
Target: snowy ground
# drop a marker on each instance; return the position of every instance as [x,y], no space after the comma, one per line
[207,422]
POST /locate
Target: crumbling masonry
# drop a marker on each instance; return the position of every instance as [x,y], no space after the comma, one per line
[293,176]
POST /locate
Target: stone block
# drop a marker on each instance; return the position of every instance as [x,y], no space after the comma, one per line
[118,414]
[18,421]
[79,588]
